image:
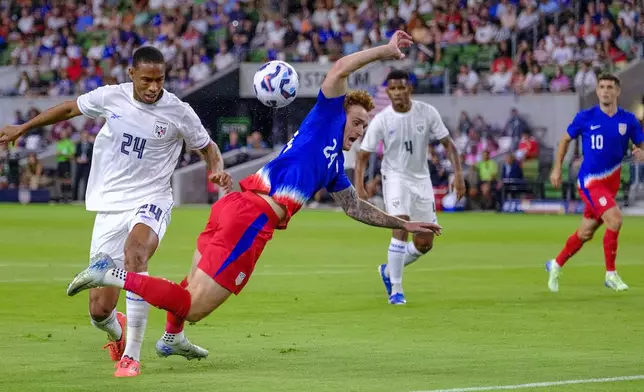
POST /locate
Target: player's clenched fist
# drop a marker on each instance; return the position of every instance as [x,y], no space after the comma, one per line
[422,227]
[222,179]
[10,133]
[638,154]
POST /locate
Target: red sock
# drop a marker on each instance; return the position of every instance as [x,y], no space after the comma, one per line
[173,323]
[610,249]
[160,292]
[572,246]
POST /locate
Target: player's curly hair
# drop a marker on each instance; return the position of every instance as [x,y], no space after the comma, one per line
[359,97]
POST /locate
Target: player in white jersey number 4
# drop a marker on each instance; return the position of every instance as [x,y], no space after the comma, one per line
[135,154]
[406,127]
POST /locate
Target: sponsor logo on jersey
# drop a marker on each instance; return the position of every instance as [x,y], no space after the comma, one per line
[160,128]
[420,128]
[622,128]
[593,127]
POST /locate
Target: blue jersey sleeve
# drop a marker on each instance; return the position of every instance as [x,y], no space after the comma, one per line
[575,127]
[330,105]
[339,183]
[637,135]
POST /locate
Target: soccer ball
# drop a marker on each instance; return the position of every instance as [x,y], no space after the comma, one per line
[276,84]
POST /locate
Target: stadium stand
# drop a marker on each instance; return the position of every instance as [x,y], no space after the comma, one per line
[63,48]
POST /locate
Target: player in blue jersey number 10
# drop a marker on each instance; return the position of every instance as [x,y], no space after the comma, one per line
[241,223]
[606,131]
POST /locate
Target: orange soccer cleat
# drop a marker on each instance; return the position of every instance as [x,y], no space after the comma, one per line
[117,347]
[127,367]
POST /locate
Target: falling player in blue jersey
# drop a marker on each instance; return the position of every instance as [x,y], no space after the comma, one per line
[605,131]
[241,223]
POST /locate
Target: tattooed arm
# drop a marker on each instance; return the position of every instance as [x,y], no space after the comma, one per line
[367,213]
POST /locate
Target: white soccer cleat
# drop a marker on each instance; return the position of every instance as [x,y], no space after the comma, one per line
[613,281]
[92,276]
[554,272]
[183,348]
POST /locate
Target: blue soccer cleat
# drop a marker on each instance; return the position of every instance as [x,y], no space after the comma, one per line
[385,279]
[93,276]
[397,299]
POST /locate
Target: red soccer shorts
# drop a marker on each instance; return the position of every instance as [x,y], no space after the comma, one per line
[598,199]
[240,225]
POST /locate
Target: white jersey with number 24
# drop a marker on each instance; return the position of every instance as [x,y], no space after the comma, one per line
[136,151]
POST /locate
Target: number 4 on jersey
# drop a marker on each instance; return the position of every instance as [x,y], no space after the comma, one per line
[409,147]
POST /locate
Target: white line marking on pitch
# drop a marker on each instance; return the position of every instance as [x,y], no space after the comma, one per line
[540,384]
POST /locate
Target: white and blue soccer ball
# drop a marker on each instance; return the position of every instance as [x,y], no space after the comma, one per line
[276,84]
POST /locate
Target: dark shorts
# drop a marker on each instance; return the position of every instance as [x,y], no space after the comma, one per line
[64,170]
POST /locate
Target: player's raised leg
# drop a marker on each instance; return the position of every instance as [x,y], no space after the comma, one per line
[613,220]
[575,242]
[423,208]
[173,341]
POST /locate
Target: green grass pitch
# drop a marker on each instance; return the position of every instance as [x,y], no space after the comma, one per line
[314,316]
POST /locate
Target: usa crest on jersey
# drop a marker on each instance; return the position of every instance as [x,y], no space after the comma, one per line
[160,128]
[420,128]
[622,127]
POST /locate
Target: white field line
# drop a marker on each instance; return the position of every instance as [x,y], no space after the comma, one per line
[540,384]
[333,270]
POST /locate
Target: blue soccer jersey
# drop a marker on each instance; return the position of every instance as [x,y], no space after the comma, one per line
[311,160]
[605,140]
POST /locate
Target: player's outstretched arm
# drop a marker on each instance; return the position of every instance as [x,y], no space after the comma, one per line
[361,165]
[453,155]
[335,83]
[58,113]
[562,149]
[366,212]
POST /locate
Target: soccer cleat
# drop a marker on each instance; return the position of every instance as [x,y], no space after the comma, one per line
[385,280]
[397,299]
[183,348]
[554,272]
[92,276]
[117,347]
[613,281]
[127,367]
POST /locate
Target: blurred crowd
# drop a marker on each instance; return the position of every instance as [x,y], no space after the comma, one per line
[465,46]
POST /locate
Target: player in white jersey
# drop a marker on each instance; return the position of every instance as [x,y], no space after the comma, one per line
[406,127]
[135,154]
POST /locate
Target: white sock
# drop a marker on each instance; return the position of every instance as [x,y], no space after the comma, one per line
[411,253]
[610,273]
[172,338]
[137,318]
[115,278]
[395,264]
[109,325]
